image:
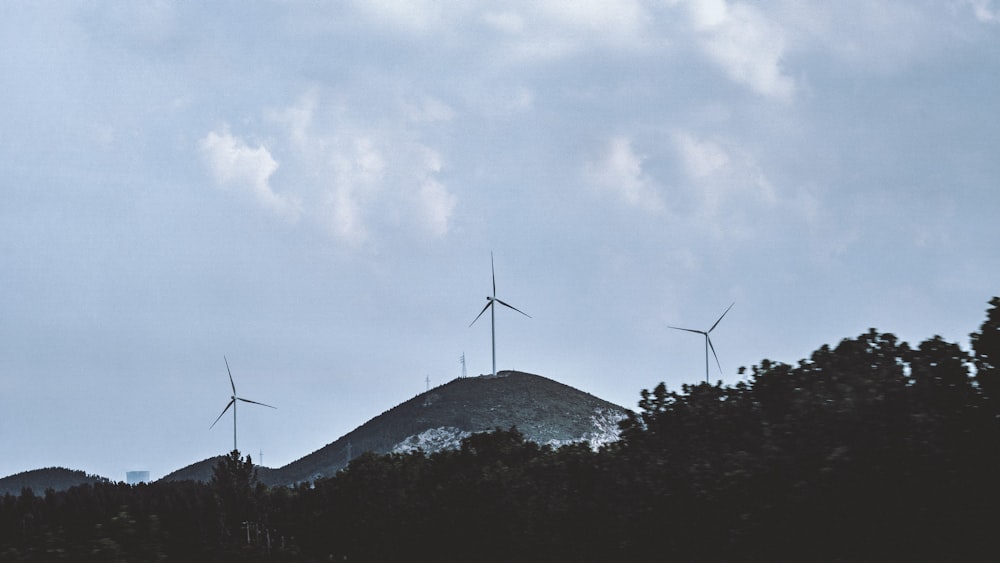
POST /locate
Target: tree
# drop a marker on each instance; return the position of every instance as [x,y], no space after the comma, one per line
[940,376]
[986,344]
[234,482]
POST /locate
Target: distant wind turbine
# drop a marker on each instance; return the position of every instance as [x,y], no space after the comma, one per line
[708,341]
[490,300]
[232,403]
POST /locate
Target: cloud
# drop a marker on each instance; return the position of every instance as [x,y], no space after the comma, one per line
[357,172]
[744,43]
[884,38]
[419,17]
[725,177]
[506,22]
[437,205]
[613,21]
[619,171]
[235,163]
[355,178]
[552,30]
[428,110]
[702,159]
[984,11]
[380,179]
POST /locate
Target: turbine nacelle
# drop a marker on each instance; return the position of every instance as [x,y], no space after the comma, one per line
[492,300]
[708,340]
[232,403]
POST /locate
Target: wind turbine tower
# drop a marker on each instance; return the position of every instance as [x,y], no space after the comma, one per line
[232,403]
[491,300]
[708,341]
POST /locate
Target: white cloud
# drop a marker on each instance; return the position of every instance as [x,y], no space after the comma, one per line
[725,176]
[702,159]
[506,22]
[235,163]
[344,217]
[415,16]
[353,178]
[437,205]
[884,38]
[744,43]
[551,30]
[619,170]
[387,179]
[984,11]
[428,110]
[616,21]
[357,173]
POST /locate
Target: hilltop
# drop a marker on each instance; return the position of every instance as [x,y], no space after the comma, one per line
[39,480]
[545,411]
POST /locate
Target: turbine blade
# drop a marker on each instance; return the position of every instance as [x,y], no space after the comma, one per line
[488,303]
[255,402]
[229,404]
[687,329]
[723,315]
[713,353]
[512,307]
[230,376]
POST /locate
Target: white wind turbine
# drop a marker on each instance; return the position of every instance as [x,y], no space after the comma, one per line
[490,301]
[232,403]
[708,341]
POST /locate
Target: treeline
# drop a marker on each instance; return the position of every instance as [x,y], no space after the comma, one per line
[871,450]
[58,478]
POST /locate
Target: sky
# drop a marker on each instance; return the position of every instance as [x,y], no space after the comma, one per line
[313,191]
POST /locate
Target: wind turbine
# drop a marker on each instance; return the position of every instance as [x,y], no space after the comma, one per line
[708,341]
[232,403]
[490,301]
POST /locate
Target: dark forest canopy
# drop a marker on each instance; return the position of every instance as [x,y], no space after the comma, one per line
[871,450]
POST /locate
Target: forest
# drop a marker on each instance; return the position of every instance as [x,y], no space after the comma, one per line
[869,450]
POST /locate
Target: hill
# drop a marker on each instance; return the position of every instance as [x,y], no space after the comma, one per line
[545,411]
[202,471]
[38,480]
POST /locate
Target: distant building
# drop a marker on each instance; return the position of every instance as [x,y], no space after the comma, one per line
[136,477]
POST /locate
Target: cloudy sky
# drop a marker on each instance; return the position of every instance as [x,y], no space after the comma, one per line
[313,191]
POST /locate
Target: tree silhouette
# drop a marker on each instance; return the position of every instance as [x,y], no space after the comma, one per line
[234,482]
[986,344]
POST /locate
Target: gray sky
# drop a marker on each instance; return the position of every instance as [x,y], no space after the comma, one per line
[314,191]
